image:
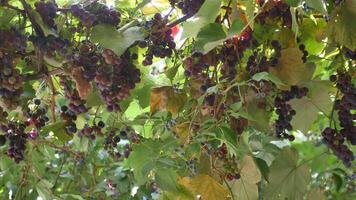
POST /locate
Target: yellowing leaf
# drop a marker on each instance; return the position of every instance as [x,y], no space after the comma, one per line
[182,130]
[166,99]
[83,85]
[342,26]
[316,194]
[205,186]
[291,70]
[246,188]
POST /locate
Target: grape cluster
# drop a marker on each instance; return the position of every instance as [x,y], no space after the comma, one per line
[117,78]
[103,14]
[48,12]
[349,53]
[279,11]
[346,106]
[69,117]
[112,140]
[37,118]
[196,66]
[15,134]
[95,13]
[88,59]
[92,131]
[11,81]
[188,7]
[285,112]
[232,53]
[76,105]
[110,144]
[50,45]
[160,42]
[335,142]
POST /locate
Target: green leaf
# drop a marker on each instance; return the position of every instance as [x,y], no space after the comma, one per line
[209,37]
[140,158]
[293,3]
[250,12]
[144,156]
[58,130]
[308,108]
[43,189]
[267,77]
[172,72]
[288,179]
[260,116]
[342,25]
[94,99]
[116,40]
[246,188]
[207,14]
[236,27]
[228,137]
[6,16]
[263,167]
[167,179]
[310,35]
[318,5]
[46,30]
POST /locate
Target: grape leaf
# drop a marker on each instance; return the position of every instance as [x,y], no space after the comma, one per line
[58,130]
[293,3]
[290,69]
[205,186]
[288,179]
[166,99]
[207,14]
[318,5]
[342,27]
[166,179]
[43,189]
[309,31]
[209,37]
[316,194]
[141,160]
[308,108]
[246,188]
[236,27]
[6,16]
[116,40]
[267,77]
[145,156]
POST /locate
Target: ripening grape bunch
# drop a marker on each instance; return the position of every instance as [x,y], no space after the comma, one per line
[95,13]
[160,42]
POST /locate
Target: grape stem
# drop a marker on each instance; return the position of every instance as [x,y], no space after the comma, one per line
[27,10]
[43,75]
[178,21]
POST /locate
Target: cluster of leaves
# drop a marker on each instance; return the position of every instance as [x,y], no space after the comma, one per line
[177,99]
